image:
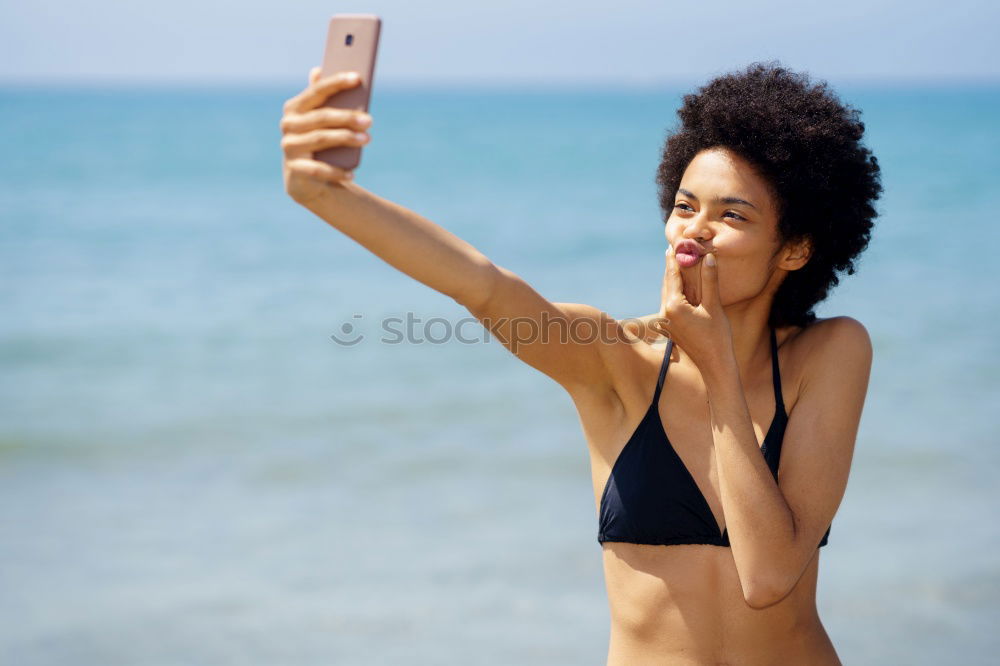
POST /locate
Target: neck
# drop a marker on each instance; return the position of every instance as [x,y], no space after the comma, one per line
[751,334]
[751,337]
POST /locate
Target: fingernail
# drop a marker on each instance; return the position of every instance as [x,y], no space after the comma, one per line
[710,260]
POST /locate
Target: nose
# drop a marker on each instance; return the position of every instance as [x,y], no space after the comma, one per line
[697,227]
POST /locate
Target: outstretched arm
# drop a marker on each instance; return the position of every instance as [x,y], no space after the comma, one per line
[568,342]
[410,242]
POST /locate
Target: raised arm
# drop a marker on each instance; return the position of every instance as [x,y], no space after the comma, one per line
[567,342]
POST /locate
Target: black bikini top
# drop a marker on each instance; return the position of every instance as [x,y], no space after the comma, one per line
[651,497]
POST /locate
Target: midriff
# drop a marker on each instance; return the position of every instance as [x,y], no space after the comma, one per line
[684,605]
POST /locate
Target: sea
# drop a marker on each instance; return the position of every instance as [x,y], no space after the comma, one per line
[217,447]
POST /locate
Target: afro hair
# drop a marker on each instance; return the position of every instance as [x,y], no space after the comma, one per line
[807,145]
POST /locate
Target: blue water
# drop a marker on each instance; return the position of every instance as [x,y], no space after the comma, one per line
[192,471]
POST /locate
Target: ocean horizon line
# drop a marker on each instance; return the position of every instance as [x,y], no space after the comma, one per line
[514,85]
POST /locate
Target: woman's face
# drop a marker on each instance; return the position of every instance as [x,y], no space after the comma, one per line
[726,208]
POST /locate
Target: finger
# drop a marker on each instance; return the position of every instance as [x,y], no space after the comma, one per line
[324,118]
[688,283]
[314,74]
[318,170]
[668,295]
[299,145]
[673,287]
[710,298]
[320,91]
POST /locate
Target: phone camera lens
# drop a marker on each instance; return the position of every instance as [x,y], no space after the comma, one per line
[349,40]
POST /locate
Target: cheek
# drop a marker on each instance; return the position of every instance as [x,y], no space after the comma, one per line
[673,228]
[744,260]
[742,272]
[742,249]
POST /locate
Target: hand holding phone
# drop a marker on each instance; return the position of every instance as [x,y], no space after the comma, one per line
[351,45]
[324,126]
[307,127]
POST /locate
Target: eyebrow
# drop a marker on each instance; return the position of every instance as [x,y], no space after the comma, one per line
[725,200]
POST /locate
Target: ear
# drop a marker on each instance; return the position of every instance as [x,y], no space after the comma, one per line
[795,255]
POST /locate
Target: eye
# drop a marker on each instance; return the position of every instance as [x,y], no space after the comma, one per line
[729,212]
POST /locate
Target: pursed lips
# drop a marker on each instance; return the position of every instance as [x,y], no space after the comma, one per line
[688,253]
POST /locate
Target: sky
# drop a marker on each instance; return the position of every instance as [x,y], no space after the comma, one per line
[576,43]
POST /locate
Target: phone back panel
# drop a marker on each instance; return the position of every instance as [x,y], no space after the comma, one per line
[351,46]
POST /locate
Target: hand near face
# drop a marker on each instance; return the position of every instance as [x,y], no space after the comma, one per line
[701,330]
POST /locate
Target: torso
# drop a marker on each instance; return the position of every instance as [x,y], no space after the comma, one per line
[683,604]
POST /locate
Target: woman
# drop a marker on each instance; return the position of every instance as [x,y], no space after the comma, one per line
[710,549]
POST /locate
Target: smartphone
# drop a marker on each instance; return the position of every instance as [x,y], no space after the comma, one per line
[351,46]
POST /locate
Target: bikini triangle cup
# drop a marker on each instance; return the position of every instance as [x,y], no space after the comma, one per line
[651,497]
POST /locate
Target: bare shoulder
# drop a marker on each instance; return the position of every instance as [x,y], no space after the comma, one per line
[629,353]
[837,348]
[616,341]
[594,317]
[840,334]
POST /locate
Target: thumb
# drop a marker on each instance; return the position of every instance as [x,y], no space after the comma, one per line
[710,298]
